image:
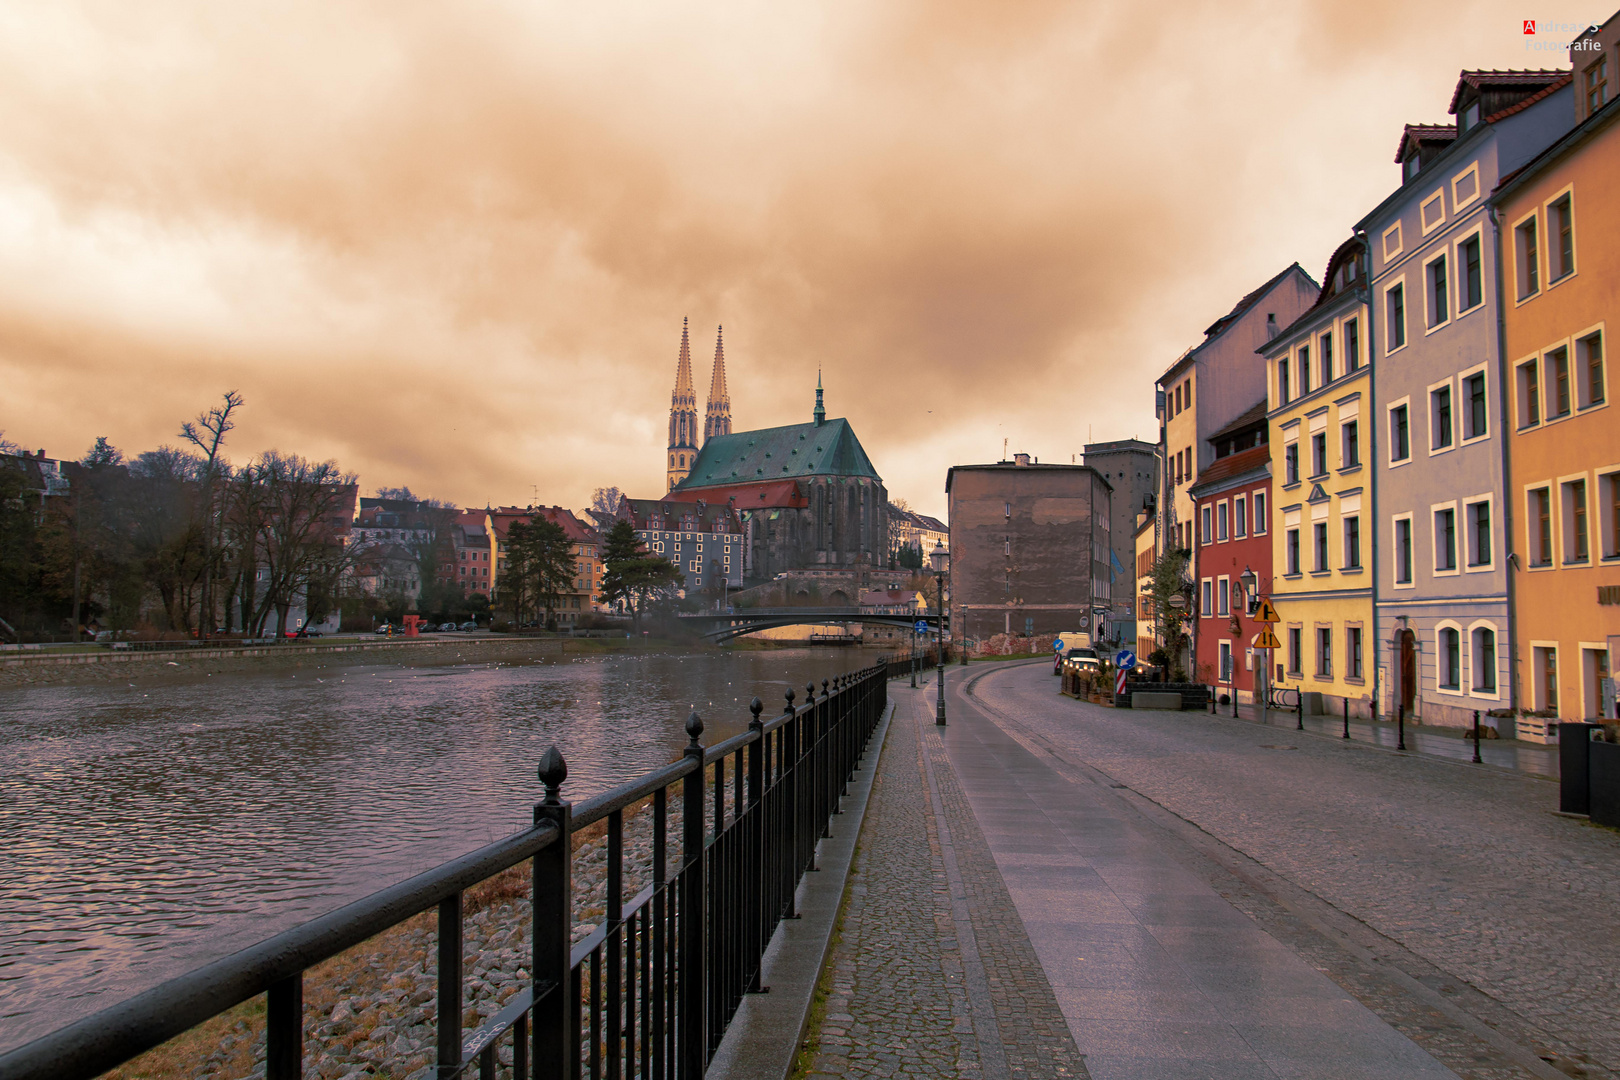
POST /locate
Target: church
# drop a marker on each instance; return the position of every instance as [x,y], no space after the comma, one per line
[807,494]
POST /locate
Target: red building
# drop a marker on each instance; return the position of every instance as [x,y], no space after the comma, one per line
[1232,504]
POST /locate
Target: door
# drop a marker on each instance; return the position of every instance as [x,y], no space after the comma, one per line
[1408,648]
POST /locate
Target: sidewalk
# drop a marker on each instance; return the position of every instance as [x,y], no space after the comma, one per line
[1007,920]
[1456,744]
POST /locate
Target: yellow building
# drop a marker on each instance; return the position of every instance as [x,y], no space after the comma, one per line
[1319,397]
[1559,237]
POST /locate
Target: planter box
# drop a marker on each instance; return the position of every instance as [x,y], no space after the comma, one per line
[1156,699]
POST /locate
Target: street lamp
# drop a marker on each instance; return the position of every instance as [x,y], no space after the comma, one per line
[939,558]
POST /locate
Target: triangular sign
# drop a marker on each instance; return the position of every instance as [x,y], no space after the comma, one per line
[1266,613]
[1265,639]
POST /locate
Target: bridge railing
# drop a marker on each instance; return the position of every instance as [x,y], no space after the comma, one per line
[649,993]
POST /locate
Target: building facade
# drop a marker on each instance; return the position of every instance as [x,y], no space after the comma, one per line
[1318,391]
[1232,501]
[704,540]
[1560,221]
[1131,468]
[1029,548]
[1442,608]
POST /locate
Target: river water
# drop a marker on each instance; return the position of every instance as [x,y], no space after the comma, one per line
[148,828]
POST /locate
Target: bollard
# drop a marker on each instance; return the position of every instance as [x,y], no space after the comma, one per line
[1346,718]
[1299,709]
[1400,727]
[1476,737]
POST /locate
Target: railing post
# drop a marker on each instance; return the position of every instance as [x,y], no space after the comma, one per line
[1347,718]
[556,1052]
[284,1030]
[693,993]
[1477,760]
[757,936]
[1400,727]
[615,944]
[1299,709]
[789,750]
[450,974]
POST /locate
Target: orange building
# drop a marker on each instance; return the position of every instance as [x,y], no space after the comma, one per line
[1558,227]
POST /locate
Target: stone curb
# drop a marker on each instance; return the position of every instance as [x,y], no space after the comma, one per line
[763,1039]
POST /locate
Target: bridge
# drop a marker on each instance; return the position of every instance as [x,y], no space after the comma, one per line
[727,625]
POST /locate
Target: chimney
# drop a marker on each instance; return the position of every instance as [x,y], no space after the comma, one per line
[1020,459]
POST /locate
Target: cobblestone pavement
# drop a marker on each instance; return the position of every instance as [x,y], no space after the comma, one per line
[932,974]
[1449,899]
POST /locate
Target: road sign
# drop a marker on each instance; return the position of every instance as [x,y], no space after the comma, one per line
[1124,659]
[1057,644]
[1265,639]
[1266,613]
[921,626]
[1177,601]
[1119,683]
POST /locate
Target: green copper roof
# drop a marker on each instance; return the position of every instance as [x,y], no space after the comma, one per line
[781,453]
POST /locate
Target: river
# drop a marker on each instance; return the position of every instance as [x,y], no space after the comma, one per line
[148,828]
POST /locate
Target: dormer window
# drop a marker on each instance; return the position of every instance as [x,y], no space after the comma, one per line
[1468,119]
[1410,167]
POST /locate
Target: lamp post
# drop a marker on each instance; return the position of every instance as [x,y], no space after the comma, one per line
[914,648]
[1250,580]
[939,558]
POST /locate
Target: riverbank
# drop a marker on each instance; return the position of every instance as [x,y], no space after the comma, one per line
[108,666]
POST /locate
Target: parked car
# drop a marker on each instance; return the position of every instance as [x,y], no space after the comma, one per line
[469,625]
[1083,659]
[385,628]
[447,626]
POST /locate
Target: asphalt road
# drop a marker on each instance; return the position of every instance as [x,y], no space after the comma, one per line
[1450,899]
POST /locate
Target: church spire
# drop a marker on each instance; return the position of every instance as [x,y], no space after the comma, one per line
[717,419]
[682,415]
[821,410]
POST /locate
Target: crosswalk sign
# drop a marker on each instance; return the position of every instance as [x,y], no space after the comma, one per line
[1265,639]
[1266,612]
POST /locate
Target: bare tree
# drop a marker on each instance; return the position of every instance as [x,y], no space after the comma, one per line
[607,500]
[207,434]
[296,499]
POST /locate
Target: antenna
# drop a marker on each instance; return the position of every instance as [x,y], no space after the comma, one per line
[1003,449]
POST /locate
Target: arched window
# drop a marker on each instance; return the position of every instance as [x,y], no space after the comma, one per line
[1483,658]
[1448,657]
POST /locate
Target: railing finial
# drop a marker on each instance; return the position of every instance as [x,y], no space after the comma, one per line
[694,727]
[824,684]
[553,771]
[756,707]
[810,692]
[789,696]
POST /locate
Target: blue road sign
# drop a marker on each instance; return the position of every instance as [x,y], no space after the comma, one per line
[1057,644]
[1124,659]
[921,626]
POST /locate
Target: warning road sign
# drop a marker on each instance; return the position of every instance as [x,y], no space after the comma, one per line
[1266,613]
[1265,639]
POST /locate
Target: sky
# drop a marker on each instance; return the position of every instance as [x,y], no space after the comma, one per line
[451,245]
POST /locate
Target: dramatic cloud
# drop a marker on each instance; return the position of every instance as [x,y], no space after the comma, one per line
[452,246]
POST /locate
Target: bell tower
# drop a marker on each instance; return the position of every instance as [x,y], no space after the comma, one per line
[717,418]
[683,417]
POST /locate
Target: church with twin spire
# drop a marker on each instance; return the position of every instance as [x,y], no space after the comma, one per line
[807,494]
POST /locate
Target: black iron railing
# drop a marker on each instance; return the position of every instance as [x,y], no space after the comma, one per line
[648,994]
[899,665]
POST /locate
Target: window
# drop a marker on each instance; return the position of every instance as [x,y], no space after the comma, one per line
[1529,395]
[1403,551]
[1350,445]
[1203,522]
[1223,512]
[1589,355]
[1324,652]
[1473,287]
[1558,383]
[1352,345]
[1450,659]
[1479,533]
[1439,303]
[1259,512]
[1282,381]
[1293,551]
[1352,543]
[1540,527]
[1576,548]
[1240,516]
[1477,424]
[1226,662]
[1352,653]
[1223,594]
[1610,486]
[1291,463]
[1445,539]
[1400,440]
[1319,454]
[1205,608]
[1294,649]
[1327,358]
[1561,230]
[1440,418]
[1527,260]
[1396,301]
[1304,370]
[1595,85]
[1319,531]
[1484,660]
